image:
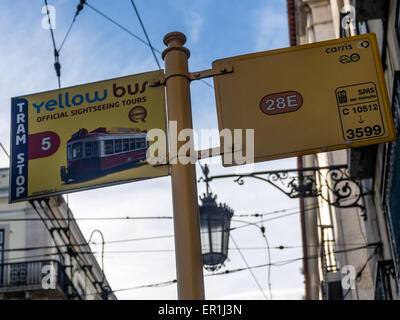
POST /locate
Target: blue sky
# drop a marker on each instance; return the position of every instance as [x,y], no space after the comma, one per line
[98,50]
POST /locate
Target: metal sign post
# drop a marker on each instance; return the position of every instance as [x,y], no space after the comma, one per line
[189,265]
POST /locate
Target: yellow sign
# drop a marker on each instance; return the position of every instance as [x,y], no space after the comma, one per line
[85,136]
[306,99]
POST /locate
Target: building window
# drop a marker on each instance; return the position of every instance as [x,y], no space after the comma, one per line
[1,255]
[18,274]
[362,27]
[384,273]
[398,21]
[392,181]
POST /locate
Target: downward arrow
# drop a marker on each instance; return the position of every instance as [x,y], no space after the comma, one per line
[361,120]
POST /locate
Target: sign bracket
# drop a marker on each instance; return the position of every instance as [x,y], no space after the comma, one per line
[199,155]
[221,70]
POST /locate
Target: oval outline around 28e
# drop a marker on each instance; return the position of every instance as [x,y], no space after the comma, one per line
[277,110]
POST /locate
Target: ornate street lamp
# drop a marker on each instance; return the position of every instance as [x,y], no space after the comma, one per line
[215,223]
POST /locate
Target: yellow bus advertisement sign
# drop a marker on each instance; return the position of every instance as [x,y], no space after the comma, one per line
[84,137]
[307,99]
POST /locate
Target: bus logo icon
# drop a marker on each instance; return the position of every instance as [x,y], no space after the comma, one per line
[138,113]
[342,96]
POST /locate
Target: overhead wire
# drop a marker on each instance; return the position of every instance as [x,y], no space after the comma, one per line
[279,263]
[147,43]
[268,252]
[32,203]
[126,240]
[226,272]
[359,273]
[119,25]
[145,33]
[102,250]
[262,229]
[5,151]
[50,25]
[69,235]
[281,247]
[256,215]
[57,65]
[25,257]
[246,223]
[66,35]
[85,219]
[70,252]
[43,219]
[250,270]
[159,284]
[267,213]
[79,8]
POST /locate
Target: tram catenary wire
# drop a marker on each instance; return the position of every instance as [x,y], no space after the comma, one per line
[161,217]
[246,223]
[226,272]
[134,35]
[145,33]
[283,262]
[281,247]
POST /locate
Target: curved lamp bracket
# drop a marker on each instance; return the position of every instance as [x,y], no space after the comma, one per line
[332,183]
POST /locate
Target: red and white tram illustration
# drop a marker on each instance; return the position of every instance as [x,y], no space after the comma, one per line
[99,152]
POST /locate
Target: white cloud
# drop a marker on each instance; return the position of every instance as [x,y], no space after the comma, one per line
[194,22]
[270,28]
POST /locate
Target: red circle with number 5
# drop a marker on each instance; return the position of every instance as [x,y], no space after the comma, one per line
[42,144]
[282,102]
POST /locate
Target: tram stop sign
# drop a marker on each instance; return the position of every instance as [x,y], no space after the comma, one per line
[306,99]
[84,137]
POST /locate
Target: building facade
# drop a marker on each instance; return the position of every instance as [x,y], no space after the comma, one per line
[353,252]
[43,254]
